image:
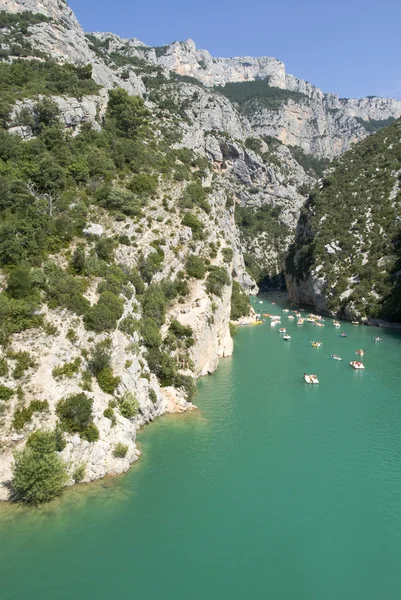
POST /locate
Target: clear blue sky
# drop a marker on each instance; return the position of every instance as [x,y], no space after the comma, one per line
[351,47]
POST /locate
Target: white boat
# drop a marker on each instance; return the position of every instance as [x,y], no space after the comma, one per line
[275,322]
[311,378]
[260,301]
[336,324]
[282,330]
[336,357]
[286,310]
[377,339]
[319,324]
[356,364]
[291,317]
[300,321]
[286,337]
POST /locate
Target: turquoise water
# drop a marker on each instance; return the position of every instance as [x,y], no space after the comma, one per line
[274,489]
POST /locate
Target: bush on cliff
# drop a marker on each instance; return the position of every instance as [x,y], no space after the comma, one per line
[39,474]
[216,281]
[240,305]
[75,414]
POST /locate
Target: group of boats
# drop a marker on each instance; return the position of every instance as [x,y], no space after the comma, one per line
[318,321]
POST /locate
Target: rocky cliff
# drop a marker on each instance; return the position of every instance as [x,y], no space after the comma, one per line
[346,257]
[321,124]
[136,184]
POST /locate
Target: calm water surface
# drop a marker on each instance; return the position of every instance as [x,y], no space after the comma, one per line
[274,489]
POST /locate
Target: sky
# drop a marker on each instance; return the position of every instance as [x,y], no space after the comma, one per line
[350,47]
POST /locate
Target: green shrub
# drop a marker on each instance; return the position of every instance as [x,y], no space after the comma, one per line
[71,336]
[180,331]
[6,392]
[104,315]
[195,195]
[91,433]
[240,305]
[3,367]
[128,405]
[127,114]
[78,260]
[108,412]
[50,329]
[59,438]
[151,264]
[162,365]
[233,329]
[196,226]
[23,415]
[79,473]
[65,290]
[104,248]
[121,200]
[216,281]
[120,450]
[129,325]
[254,144]
[107,381]
[99,360]
[154,303]
[136,281]
[39,474]
[152,396]
[68,369]
[20,283]
[195,267]
[228,255]
[75,413]
[150,332]
[143,184]
[24,361]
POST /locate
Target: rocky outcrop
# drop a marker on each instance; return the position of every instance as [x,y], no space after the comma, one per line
[63,39]
[185,59]
[73,112]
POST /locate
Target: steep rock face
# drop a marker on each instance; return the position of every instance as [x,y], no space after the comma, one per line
[185,59]
[321,124]
[89,109]
[311,125]
[63,39]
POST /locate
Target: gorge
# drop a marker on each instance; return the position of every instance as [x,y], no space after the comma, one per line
[137,184]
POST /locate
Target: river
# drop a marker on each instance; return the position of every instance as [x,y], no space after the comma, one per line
[273,489]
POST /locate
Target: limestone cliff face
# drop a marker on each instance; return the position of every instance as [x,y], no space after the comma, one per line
[207,315]
[63,39]
[311,125]
[321,124]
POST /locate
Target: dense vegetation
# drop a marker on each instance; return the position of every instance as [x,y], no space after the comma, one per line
[240,304]
[15,33]
[374,125]
[261,228]
[312,165]
[351,229]
[248,93]
[39,473]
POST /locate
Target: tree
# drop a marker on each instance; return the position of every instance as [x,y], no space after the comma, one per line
[39,474]
[127,113]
